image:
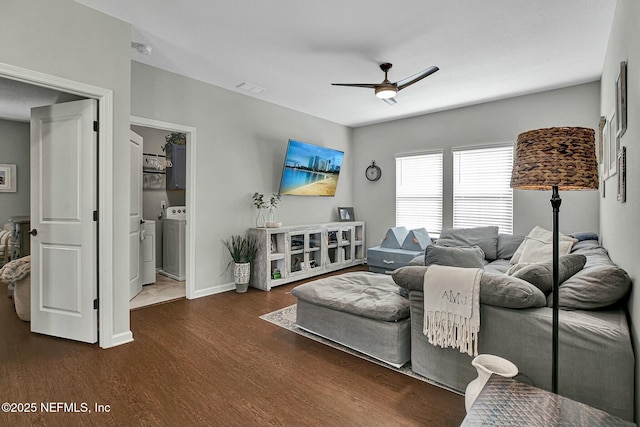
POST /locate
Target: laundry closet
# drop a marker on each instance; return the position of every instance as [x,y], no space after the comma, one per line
[164,211]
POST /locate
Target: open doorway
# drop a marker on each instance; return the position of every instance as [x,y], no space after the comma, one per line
[167,175]
[31,82]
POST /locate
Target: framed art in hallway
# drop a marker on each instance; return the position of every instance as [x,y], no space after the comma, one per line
[621,99]
[614,144]
[8,178]
[622,174]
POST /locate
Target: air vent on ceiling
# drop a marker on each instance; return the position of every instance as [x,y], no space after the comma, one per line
[250,88]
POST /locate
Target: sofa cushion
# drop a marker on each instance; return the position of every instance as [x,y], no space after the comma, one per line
[484,237]
[495,288]
[508,291]
[454,256]
[508,245]
[537,246]
[540,274]
[593,287]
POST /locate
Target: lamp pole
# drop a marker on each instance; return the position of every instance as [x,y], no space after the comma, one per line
[555,204]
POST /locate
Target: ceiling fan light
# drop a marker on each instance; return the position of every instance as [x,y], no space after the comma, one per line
[386,92]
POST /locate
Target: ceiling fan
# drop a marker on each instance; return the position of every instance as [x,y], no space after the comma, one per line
[387,90]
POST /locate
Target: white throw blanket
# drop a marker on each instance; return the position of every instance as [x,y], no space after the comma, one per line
[452,307]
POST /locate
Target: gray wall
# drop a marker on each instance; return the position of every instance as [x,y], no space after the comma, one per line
[490,123]
[68,40]
[153,140]
[618,221]
[14,149]
[240,145]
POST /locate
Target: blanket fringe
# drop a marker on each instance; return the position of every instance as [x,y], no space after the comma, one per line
[451,330]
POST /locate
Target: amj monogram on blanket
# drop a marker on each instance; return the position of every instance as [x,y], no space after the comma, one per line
[452,307]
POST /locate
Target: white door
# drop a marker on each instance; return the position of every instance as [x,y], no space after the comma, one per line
[63,229]
[135,215]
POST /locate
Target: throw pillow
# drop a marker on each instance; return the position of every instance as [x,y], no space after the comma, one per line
[409,277]
[484,237]
[454,256]
[541,274]
[495,289]
[508,291]
[508,245]
[593,288]
[538,246]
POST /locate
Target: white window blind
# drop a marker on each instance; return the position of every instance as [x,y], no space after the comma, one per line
[481,188]
[419,192]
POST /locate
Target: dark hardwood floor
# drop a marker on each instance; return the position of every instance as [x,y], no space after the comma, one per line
[209,361]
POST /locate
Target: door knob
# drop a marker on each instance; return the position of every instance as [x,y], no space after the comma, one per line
[33,232]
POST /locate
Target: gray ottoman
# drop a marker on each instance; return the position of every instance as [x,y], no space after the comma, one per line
[360,310]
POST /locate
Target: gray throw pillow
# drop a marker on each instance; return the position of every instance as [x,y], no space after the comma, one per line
[510,292]
[593,288]
[495,289]
[454,256]
[508,244]
[540,274]
[484,237]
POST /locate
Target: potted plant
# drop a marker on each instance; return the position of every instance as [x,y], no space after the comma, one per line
[242,250]
[260,204]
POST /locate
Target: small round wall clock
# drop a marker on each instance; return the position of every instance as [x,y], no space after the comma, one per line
[373,172]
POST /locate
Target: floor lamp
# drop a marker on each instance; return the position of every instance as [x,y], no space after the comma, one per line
[561,158]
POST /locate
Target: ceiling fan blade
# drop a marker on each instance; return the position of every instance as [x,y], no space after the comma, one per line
[368,85]
[390,101]
[416,78]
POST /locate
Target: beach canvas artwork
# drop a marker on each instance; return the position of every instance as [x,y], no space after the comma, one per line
[310,170]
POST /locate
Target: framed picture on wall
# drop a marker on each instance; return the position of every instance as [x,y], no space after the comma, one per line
[622,175]
[621,99]
[606,142]
[8,178]
[614,143]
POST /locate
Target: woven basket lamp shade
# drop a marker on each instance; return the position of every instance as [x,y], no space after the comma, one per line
[562,156]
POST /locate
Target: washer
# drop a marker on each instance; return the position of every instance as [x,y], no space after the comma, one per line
[174,231]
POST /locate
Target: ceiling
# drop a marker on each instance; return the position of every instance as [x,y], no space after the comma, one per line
[295,49]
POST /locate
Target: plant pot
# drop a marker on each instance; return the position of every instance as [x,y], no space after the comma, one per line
[487,364]
[242,273]
[241,289]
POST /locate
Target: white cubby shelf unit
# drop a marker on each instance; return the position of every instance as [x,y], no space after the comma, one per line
[287,254]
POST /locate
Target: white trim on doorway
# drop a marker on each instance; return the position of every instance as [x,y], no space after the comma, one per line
[190,199]
[105,188]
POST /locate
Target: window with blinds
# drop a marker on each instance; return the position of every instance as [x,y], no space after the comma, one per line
[419,192]
[481,187]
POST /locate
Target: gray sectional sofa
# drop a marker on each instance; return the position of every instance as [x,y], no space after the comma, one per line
[596,359]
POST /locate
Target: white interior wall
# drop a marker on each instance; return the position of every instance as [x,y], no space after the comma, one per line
[490,123]
[618,221]
[70,41]
[241,146]
[14,150]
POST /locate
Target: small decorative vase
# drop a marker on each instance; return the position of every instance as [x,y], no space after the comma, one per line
[272,216]
[260,221]
[487,364]
[241,275]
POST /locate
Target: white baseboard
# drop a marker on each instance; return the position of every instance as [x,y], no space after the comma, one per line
[119,339]
[212,290]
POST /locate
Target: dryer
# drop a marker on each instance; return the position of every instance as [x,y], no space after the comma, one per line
[174,230]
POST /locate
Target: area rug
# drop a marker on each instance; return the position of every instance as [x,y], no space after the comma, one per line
[286,318]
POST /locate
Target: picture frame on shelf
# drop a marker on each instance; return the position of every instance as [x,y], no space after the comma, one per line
[621,99]
[346,214]
[8,178]
[622,175]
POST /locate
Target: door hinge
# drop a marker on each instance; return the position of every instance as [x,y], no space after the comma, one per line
[95,304]
[95,215]
[96,126]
